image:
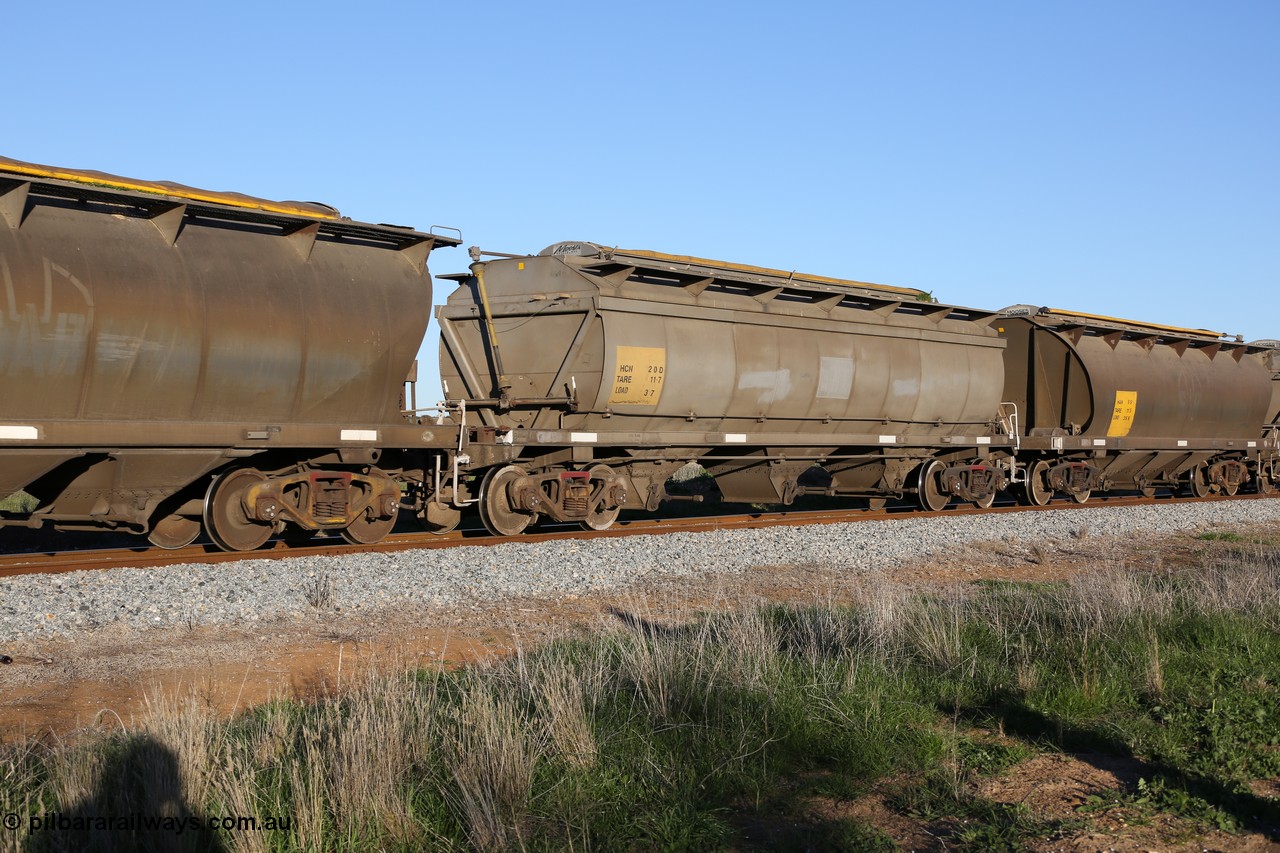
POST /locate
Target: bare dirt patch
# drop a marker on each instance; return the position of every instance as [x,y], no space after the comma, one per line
[1054,786]
[1065,787]
[59,689]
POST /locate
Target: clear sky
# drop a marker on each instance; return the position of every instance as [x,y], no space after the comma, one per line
[1113,157]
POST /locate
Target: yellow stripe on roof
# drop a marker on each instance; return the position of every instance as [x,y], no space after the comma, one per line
[704,262]
[100,179]
[1059,312]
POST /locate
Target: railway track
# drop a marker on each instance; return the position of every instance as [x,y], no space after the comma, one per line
[53,562]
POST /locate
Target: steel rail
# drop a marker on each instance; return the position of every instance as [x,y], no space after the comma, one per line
[55,562]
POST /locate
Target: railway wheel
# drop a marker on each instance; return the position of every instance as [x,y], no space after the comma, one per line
[439,519]
[366,531]
[929,487]
[985,502]
[877,504]
[1263,483]
[1081,496]
[1037,490]
[1198,482]
[174,531]
[229,526]
[370,527]
[1230,489]
[497,513]
[601,519]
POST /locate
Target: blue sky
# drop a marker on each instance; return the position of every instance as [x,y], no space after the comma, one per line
[1117,158]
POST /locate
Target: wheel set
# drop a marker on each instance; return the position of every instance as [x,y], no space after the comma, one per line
[511,499]
[242,508]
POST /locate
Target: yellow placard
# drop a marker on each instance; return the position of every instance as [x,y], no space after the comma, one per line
[1122,415]
[637,380]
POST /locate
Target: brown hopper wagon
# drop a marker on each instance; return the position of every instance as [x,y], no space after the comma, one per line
[1113,404]
[586,375]
[175,360]
[172,358]
[590,374]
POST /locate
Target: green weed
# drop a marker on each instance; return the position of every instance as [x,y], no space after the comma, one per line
[1220,536]
[20,502]
[725,732]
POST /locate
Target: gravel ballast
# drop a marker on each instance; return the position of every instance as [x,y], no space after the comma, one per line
[66,605]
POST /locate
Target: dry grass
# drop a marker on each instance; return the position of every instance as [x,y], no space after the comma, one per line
[567,697]
[491,754]
[403,761]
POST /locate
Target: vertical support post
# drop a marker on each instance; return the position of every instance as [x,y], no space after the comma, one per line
[477,269]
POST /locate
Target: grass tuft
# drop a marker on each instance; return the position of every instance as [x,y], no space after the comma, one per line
[746,730]
[19,502]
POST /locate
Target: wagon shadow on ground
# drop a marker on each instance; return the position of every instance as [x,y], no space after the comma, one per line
[1106,753]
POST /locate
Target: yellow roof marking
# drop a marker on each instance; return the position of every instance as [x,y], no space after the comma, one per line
[1058,312]
[148,187]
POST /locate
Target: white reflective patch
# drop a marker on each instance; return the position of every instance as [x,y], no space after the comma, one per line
[1058,442]
[1253,444]
[1099,442]
[582,436]
[1182,442]
[359,435]
[773,385]
[19,433]
[735,438]
[984,439]
[835,378]
[110,348]
[888,439]
[908,386]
